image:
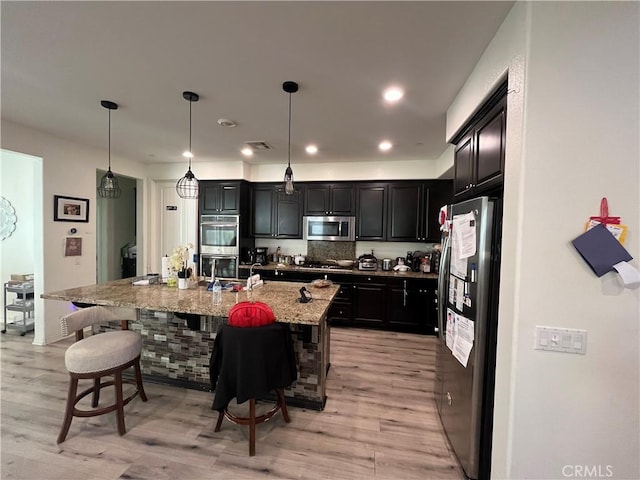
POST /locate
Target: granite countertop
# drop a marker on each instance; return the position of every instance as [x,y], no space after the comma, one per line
[354,271]
[282,297]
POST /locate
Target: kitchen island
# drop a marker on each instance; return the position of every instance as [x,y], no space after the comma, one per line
[178,354]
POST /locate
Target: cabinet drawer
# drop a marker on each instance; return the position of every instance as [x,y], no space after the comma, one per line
[340,310]
[344,294]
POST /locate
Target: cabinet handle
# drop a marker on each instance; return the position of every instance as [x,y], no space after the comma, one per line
[404,294]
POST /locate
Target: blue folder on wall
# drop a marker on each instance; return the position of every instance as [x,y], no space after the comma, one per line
[600,249]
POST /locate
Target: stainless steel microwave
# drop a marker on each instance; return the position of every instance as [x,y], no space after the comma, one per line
[330,228]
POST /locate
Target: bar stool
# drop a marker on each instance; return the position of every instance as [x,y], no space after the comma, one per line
[248,362]
[97,356]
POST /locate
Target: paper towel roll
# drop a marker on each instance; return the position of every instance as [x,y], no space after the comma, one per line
[165,269]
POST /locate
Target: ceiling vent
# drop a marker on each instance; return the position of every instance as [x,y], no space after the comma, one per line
[259,145]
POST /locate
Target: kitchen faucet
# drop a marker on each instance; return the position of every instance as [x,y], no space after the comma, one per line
[251,275]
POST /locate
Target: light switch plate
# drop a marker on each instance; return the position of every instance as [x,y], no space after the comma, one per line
[567,340]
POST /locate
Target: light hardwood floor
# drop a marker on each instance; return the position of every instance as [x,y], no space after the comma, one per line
[379,422]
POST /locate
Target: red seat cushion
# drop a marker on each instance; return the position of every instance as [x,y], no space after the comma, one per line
[251,314]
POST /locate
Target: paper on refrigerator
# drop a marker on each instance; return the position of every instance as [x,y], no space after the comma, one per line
[464,233]
[451,327]
[464,334]
[463,243]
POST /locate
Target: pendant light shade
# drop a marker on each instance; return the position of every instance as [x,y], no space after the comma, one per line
[188,186]
[109,187]
[289,87]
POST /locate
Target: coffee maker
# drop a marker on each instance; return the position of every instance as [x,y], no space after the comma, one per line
[249,256]
[261,255]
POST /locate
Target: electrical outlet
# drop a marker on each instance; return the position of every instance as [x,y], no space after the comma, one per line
[567,340]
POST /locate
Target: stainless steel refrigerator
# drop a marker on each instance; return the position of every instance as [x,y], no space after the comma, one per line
[467,321]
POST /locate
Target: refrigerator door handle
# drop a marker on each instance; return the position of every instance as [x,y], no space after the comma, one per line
[442,279]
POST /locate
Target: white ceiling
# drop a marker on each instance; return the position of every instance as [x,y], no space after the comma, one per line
[59,59]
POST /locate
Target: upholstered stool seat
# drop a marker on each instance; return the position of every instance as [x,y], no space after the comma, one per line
[98,356]
[103,352]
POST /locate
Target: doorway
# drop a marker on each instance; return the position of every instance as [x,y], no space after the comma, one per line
[22,251]
[178,219]
[116,232]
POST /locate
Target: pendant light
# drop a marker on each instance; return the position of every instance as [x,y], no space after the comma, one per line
[289,87]
[187,186]
[109,187]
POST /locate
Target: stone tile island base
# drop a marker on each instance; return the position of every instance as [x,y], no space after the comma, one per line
[174,354]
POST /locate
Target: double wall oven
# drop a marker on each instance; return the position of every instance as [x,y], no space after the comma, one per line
[220,245]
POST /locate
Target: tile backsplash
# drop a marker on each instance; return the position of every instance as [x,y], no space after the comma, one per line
[321,250]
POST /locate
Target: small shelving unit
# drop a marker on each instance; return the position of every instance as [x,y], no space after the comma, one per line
[23,302]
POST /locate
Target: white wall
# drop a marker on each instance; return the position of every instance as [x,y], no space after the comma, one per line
[68,169]
[572,137]
[377,169]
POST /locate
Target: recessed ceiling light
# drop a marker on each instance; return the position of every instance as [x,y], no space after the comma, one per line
[247,152]
[225,122]
[311,149]
[393,94]
[187,154]
[385,145]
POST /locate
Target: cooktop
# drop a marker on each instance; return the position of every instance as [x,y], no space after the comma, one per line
[312,264]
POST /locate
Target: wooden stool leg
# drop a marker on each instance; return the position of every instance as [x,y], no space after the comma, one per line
[219,423]
[283,405]
[68,414]
[252,427]
[117,376]
[96,392]
[136,367]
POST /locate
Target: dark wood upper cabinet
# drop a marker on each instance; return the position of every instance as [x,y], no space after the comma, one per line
[329,199]
[394,211]
[371,211]
[219,197]
[414,208]
[276,214]
[490,138]
[463,165]
[263,210]
[480,150]
[437,193]
[288,215]
[405,209]
[316,200]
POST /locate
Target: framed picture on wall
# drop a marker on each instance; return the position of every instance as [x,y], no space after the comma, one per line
[73,247]
[70,209]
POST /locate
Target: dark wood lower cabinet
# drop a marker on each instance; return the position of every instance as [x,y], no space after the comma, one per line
[410,305]
[402,305]
[370,301]
[340,312]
